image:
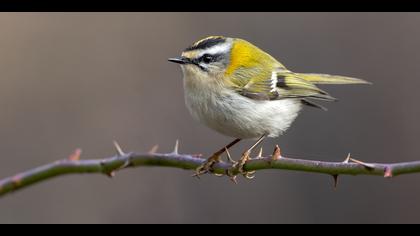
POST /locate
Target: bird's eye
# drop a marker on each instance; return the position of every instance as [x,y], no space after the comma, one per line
[206,58]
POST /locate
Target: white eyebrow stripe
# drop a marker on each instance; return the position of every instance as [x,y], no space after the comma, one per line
[221,48]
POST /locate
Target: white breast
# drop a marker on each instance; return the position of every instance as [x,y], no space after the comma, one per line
[235,115]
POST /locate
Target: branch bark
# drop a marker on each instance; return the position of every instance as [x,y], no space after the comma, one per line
[108,166]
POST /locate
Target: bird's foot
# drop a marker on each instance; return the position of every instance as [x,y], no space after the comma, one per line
[238,167]
[207,166]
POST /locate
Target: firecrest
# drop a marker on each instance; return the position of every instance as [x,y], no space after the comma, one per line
[241,91]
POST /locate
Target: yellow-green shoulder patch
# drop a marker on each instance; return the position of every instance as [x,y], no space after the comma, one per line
[242,54]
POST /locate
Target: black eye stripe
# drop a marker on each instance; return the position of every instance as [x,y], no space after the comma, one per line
[207,43]
[207,58]
[201,63]
[196,62]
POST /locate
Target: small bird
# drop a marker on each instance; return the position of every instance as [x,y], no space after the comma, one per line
[243,92]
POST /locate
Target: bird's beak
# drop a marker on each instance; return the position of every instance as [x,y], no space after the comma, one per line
[179,60]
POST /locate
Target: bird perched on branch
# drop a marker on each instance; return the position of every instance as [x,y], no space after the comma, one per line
[241,91]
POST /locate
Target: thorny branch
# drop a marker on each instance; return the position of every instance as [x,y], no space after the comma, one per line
[108,166]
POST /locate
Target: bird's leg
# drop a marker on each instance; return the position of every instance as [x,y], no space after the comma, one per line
[213,159]
[239,166]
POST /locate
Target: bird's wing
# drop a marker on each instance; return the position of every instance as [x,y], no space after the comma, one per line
[259,86]
[280,84]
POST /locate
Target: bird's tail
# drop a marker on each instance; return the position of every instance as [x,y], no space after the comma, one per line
[330,79]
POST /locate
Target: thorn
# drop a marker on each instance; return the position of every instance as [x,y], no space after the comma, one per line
[367,165]
[229,157]
[260,153]
[118,149]
[347,159]
[388,172]
[335,180]
[276,153]
[75,156]
[110,174]
[219,175]
[17,180]
[153,149]
[175,151]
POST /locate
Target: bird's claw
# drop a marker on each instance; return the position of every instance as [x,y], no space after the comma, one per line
[238,168]
[206,167]
[249,175]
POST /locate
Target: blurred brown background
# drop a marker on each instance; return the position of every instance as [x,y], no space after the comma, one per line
[71,80]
